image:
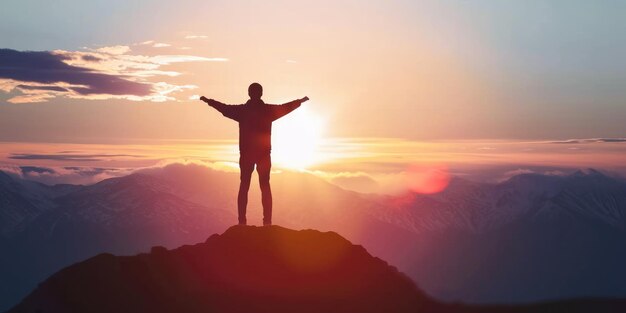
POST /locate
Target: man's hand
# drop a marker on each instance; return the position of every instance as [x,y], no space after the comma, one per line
[305,99]
[207,100]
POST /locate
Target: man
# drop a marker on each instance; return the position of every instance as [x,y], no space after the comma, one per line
[255,136]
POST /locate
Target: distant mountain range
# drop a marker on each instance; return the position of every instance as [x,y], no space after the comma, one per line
[532,237]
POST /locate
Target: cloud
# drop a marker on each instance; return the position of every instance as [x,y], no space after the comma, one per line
[512,173]
[522,171]
[115,50]
[91,58]
[363,182]
[161,45]
[359,182]
[102,73]
[611,140]
[64,175]
[85,175]
[48,70]
[169,59]
[196,37]
[45,88]
[589,140]
[36,170]
[229,167]
[11,170]
[67,157]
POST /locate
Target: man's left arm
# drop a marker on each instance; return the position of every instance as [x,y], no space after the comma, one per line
[281,110]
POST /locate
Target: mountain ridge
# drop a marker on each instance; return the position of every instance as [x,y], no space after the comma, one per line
[448,242]
[256,269]
[247,268]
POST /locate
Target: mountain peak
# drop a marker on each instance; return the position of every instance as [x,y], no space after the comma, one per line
[4,177]
[587,172]
[245,269]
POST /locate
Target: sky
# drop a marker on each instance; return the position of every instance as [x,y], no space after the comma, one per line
[424,73]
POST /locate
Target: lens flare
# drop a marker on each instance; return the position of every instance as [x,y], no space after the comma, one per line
[427,179]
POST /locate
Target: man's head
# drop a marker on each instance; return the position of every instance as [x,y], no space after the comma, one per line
[255,91]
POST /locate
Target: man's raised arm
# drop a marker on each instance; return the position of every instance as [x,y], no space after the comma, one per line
[230,111]
[281,110]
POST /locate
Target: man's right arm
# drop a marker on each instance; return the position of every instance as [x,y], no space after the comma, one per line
[230,111]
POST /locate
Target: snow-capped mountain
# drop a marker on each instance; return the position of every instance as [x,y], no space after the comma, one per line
[176,205]
[481,207]
[23,200]
[532,237]
[529,238]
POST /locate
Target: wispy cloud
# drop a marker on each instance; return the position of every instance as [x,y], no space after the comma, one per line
[64,175]
[589,140]
[161,45]
[117,50]
[196,37]
[536,171]
[67,157]
[366,164]
[101,73]
[47,73]
[86,175]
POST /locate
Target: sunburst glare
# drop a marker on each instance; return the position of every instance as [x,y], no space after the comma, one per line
[297,138]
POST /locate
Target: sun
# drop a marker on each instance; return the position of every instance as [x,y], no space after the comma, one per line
[296,139]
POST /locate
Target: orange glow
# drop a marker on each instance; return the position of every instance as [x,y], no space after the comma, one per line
[427,179]
[296,139]
[379,164]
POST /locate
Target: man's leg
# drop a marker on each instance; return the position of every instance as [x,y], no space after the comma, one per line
[263,167]
[247,167]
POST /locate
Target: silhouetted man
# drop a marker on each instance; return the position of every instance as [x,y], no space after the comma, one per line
[255,136]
